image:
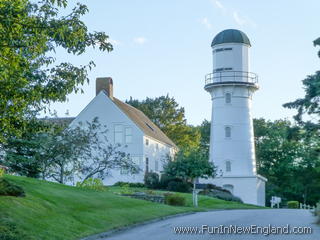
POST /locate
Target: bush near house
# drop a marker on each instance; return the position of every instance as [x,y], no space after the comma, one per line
[92,183]
[174,199]
[317,212]
[151,180]
[132,185]
[293,204]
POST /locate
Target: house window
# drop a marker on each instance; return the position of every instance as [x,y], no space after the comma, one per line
[147,141]
[157,146]
[156,165]
[228,97]
[227,132]
[118,133]
[228,166]
[128,135]
[147,164]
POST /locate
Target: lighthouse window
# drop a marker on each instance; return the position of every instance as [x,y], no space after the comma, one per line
[227,132]
[222,49]
[228,166]
[228,97]
[222,69]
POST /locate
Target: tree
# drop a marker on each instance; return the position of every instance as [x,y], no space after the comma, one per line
[289,157]
[30,32]
[24,154]
[165,112]
[100,157]
[310,104]
[190,165]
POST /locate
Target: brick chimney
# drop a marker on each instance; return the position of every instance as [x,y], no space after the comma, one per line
[105,84]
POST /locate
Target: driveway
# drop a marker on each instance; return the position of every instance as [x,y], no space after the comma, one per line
[216,225]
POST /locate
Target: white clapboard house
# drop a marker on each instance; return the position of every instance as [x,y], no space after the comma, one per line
[147,145]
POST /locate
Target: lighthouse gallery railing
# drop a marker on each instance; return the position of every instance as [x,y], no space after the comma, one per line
[231,76]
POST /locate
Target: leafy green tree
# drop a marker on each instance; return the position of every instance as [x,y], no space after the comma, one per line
[310,104]
[99,156]
[289,157]
[30,32]
[190,165]
[24,154]
[165,112]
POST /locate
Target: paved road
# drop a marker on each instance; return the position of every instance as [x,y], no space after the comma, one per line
[164,230]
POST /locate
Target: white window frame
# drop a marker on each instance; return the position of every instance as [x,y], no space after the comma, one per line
[128,135]
[120,132]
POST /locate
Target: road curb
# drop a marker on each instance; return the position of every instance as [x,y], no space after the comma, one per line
[122,229]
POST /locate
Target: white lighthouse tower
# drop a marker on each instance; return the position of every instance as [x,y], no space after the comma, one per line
[231,86]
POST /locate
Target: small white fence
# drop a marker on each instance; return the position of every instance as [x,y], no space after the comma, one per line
[305,206]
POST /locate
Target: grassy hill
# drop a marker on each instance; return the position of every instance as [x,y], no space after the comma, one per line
[55,211]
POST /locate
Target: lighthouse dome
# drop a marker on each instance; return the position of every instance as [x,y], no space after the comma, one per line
[230,36]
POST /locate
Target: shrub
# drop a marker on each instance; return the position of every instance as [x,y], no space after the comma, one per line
[151,180]
[175,186]
[92,183]
[10,189]
[174,199]
[293,204]
[133,185]
[2,171]
[223,195]
[125,190]
[317,212]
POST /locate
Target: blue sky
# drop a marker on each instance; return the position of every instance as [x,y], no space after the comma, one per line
[163,47]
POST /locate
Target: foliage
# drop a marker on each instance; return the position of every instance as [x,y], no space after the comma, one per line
[132,185]
[99,156]
[310,104]
[24,154]
[293,204]
[317,212]
[92,183]
[151,180]
[166,113]
[31,31]
[175,199]
[224,195]
[59,153]
[288,156]
[8,188]
[125,189]
[2,172]
[189,165]
[179,186]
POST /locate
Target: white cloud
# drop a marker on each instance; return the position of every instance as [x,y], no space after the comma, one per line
[140,40]
[239,20]
[218,4]
[242,20]
[204,21]
[114,42]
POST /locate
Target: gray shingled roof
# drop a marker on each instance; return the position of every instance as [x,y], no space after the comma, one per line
[143,122]
[231,36]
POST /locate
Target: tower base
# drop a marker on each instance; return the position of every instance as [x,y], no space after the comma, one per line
[251,189]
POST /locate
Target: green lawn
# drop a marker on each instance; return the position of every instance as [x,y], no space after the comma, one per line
[55,211]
